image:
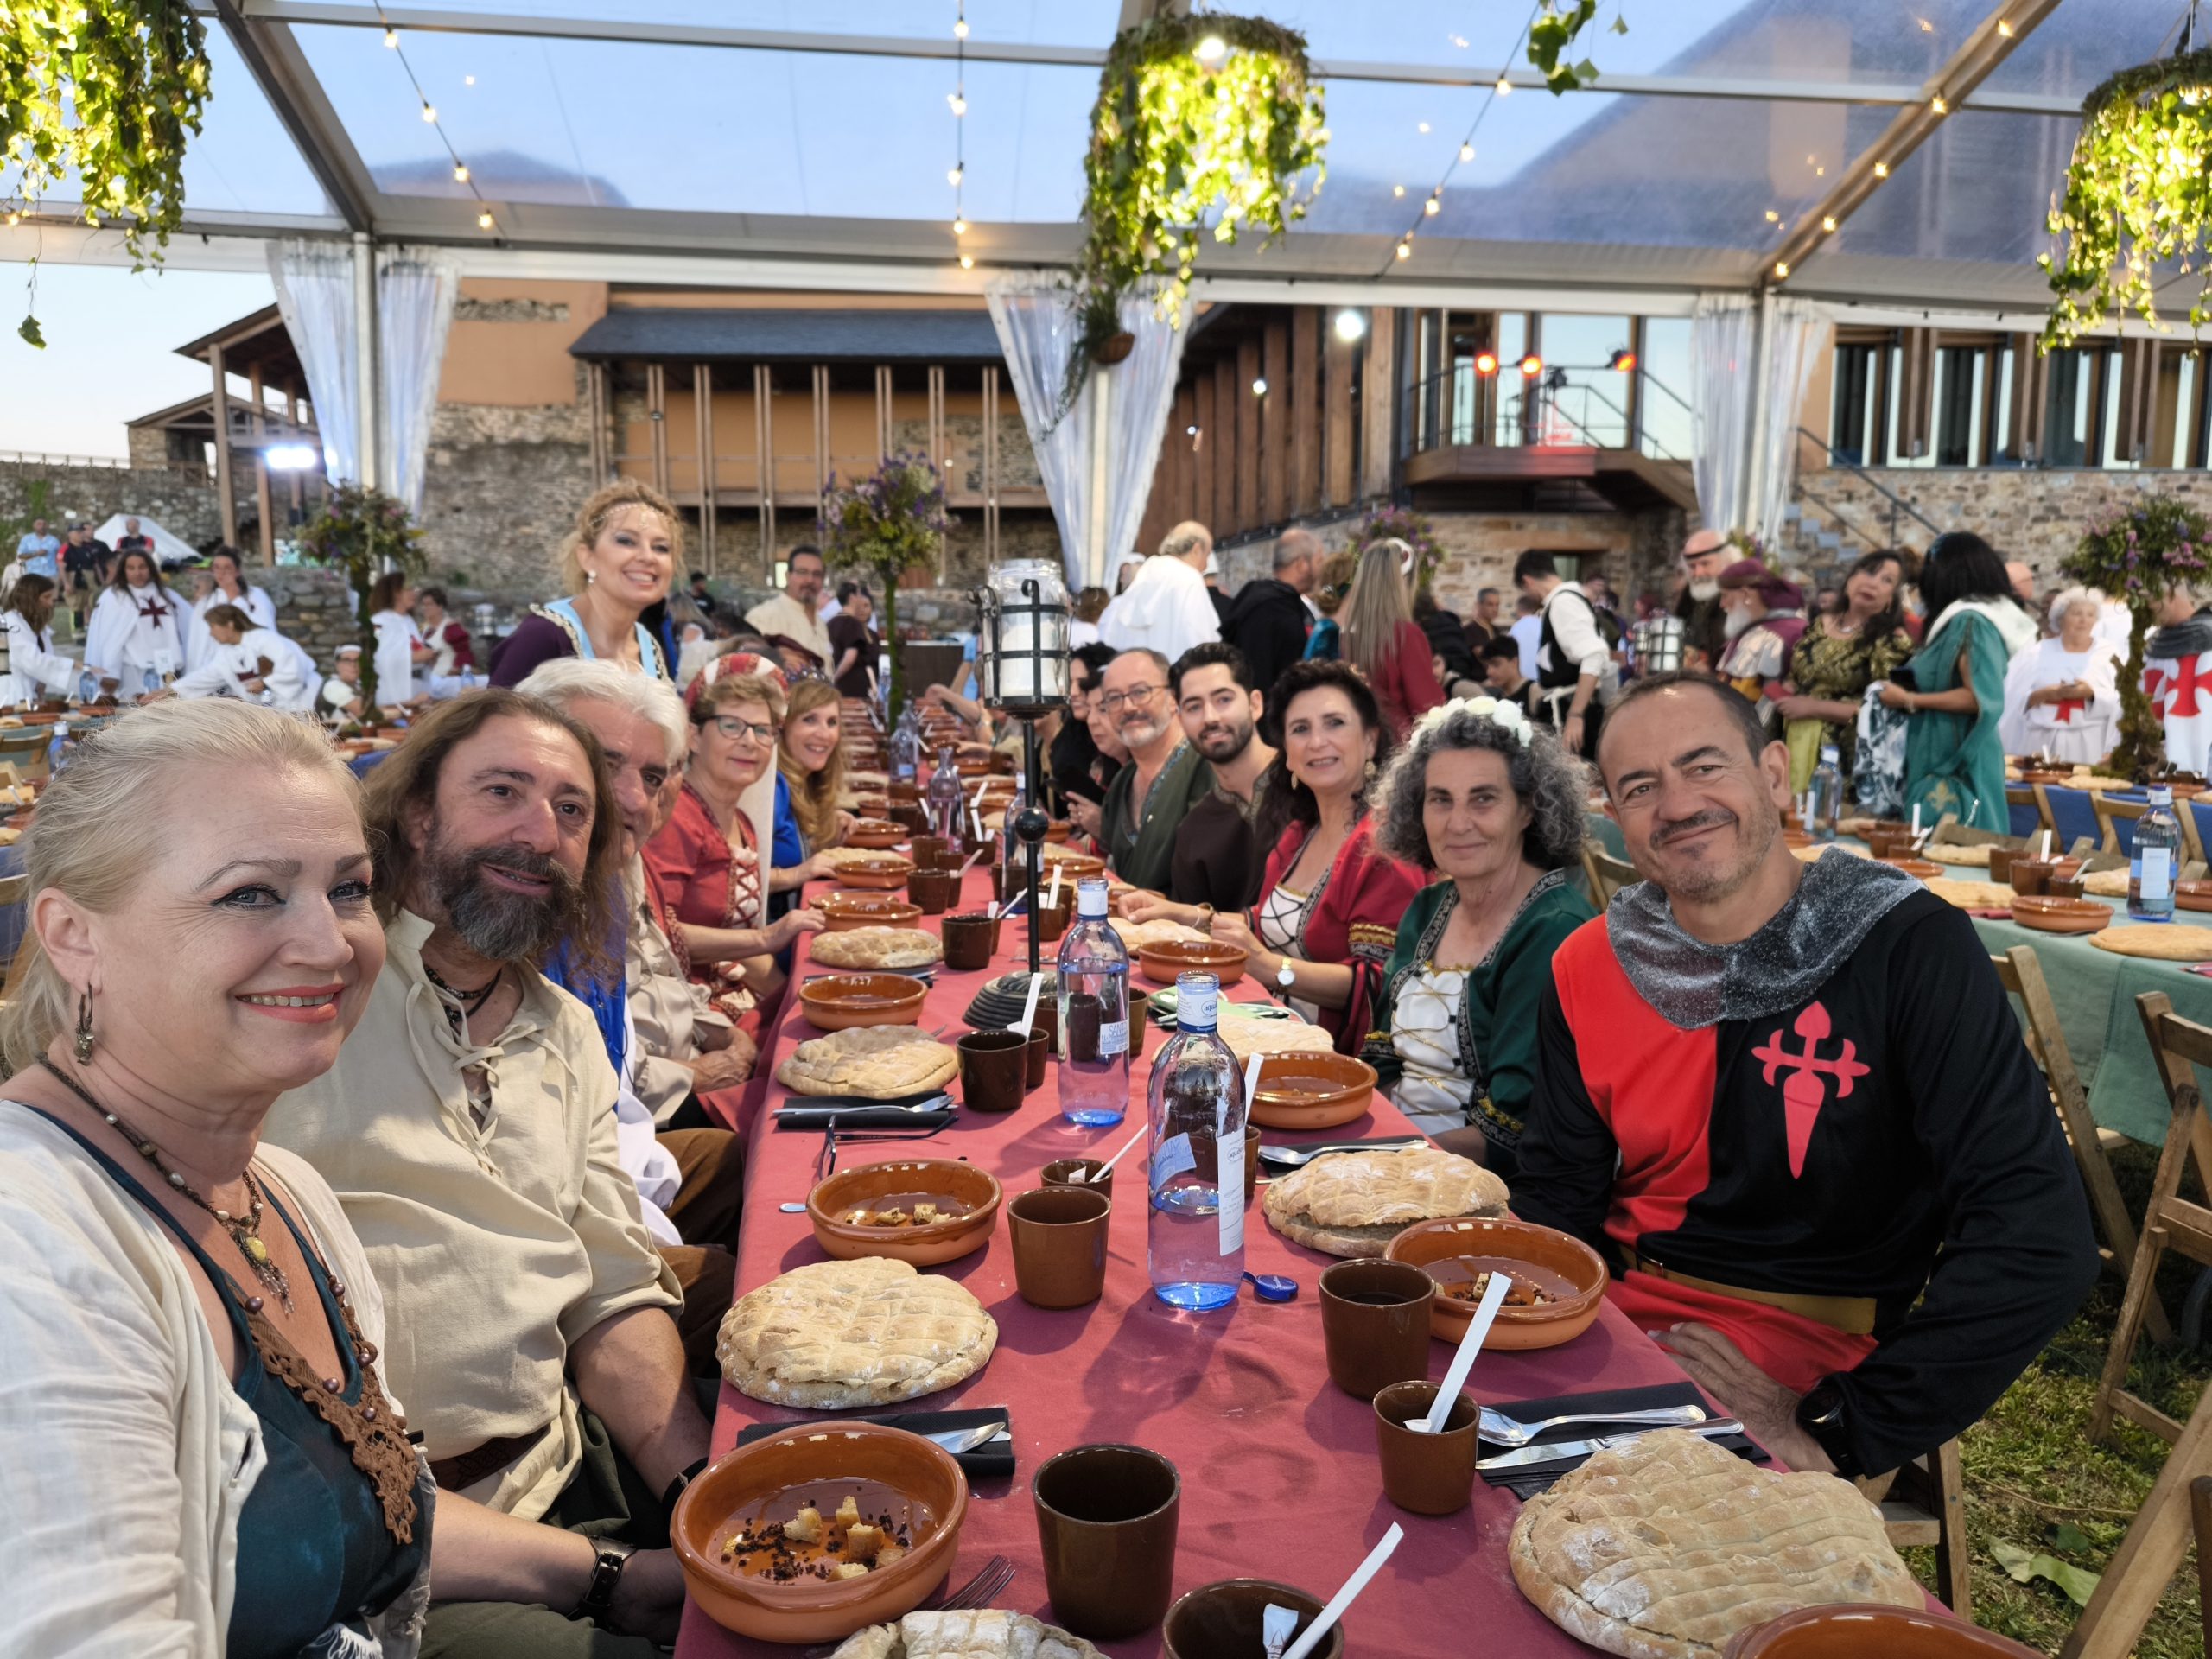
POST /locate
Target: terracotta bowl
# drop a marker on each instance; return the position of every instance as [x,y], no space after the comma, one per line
[1162,962]
[978,767]
[864,1185]
[2047,915]
[2041,777]
[1853,1632]
[1920,867]
[907,794]
[872,806]
[1225,1621]
[844,1000]
[845,910]
[1074,868]
[1058,829]
[886,872]
[875,832]
[818,1455]
[2193,895]
[1310,1091]
[1554,1254]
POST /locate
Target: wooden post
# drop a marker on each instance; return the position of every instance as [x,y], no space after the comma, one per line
[764,423]
[703,398]
[1339,364]
[225,486]
[261,503]
[1377,404]
[1206,503]
[602,467]
[1278,414]
[822,466]
[991,479]
[1251,508]
[657,418]
[292,420]
[883,412]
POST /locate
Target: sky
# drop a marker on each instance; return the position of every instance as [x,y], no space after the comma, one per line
[111,349]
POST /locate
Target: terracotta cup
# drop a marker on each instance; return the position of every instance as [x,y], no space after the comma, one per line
[1059,1244]
[2030,877]
[970,939]
[2066,886]
[1051,920]
[910,817]
[1140,1007]
[1228,1620]
[1375,1324]
[2000,862]
[1063,1172]
[1106,1516]
[935,891]
[991,1068]
[1040,1045]
[1429,1474]
[933,852]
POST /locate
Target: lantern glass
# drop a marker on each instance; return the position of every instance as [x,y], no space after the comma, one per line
[1022,645]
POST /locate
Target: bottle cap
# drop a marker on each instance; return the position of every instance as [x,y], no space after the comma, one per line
[1829,751]
[2161,795]
[1091,899]
[1196,999]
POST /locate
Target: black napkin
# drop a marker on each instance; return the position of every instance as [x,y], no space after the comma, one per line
[1525,1480]
[992,1457]
[863,1114]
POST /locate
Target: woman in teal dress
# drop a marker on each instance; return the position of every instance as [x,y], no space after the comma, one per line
[1953,760]
[1495,807]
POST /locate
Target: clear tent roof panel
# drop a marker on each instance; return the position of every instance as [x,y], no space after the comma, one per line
[1028,23]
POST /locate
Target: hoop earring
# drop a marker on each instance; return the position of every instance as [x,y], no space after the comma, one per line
[84,1044]
[1370,769]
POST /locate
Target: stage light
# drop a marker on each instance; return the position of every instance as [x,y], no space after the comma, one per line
[1625,360]
[1531,366]
[289,457]
[1350,324]
[1485,363]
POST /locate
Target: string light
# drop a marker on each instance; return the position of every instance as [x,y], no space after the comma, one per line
[430,114]
[1397,189]
[1504,88]
[1350,324]
[1881,170]
[1424,126]
[469,80]
[1780,269]
[960,28]
[461,173]
[1433,204]
[1406,249]
[391,38]
[1211,52]
[1773,218]
[2005,27]
[959,226]
[957,101]
[1828,221]
[1431,207]
[954,174]
[1466,152]
[484,220]
[1937,104]
[967,262]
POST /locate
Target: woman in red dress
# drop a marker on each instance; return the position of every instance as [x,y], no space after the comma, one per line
[705,863]
[1378,635]
[1329,907]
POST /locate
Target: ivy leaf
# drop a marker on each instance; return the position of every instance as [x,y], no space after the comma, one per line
[2024,1565]
[31,335]
[1620,25]
[2069,1539]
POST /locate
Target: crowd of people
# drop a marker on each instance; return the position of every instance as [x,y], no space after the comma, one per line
[407,1199]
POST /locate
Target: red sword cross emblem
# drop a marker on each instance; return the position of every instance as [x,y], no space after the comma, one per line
[1804,1090]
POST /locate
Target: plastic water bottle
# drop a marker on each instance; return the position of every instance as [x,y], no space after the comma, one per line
[2151,866]
[1196,1176]
[61,750]
[946,803]
[1827,794]
[1094,1014]
[906,747]
[88,687]
[152,680]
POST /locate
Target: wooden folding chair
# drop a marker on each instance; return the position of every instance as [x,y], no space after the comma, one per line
[2178,1509]
[2111,813]
[2030,795]
[1926,1505]
[1606,875]
[2021,973]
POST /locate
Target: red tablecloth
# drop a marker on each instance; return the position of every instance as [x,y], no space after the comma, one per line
[1279,1468]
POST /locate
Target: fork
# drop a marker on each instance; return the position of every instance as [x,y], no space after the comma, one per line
[979,1591]
[1501,1430]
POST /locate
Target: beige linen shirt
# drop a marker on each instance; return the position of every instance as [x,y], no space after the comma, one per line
[784,614]
[496,1246]
[666,1009]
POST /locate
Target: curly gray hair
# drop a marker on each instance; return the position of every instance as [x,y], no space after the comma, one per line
[1546,779]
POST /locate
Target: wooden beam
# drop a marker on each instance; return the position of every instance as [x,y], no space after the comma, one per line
[2139,389]
[763,421]
[703,398]
[261,502]
[2025,409]
[1205,505]
[1339,365]
[657,418]
[1276,422]
[1377,403]
[1916,394]
[226,485]
[822,466]
[1307,326]
[596,385]
[883,412]
[1251,505]
[1229,513]
[992,480]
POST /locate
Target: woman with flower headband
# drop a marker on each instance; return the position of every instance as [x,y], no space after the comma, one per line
[1493,806]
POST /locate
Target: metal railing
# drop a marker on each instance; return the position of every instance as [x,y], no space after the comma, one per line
[29,458]
[1898,505]
[1556,408]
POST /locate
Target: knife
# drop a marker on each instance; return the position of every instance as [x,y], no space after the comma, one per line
[956,1440]
[1295,1156]
[1559,1451]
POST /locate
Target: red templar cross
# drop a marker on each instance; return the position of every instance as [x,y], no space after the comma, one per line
[2182,689]
[1803,1093]
[2068,707]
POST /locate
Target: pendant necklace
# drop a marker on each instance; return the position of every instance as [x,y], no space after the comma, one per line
[244,1230]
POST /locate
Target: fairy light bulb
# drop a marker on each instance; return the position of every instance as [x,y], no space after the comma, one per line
[967,262]
[429,113]
[1504,88]
[1212,51]
[461,173]
[960,227]
[1466,152]
[1781,270]
[2005,27]
[1405,250]
[1431,207]
[959,103]
[960,28]
[1881,170]
[1828,221]
[1937,104]
[1397,189]
[484,219]
[954,174]
[391,38]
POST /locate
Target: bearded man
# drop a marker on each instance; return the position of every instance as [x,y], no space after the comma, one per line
[1705,555]
[1148,799]
[468,1129]
[1216,863]
[1790,1105]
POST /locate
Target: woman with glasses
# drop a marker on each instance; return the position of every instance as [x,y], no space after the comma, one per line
[705,863]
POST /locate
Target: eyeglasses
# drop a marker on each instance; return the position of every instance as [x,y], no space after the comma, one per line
[738,730]
[1136,697]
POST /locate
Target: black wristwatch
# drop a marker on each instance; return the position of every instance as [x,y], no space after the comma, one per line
[1821,1415]
[606,1574]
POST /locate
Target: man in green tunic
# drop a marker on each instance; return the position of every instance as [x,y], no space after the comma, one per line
[1165,777]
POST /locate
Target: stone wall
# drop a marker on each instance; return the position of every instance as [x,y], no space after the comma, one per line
[502,488]
[313,608]
[185,508]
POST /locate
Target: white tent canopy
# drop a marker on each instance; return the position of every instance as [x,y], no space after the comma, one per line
[169,548]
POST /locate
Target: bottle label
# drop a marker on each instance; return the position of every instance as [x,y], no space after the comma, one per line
[1197,997]
[1173,1158]
[2155,883]
[1113,1039]
[1229,1192]
[1090,899]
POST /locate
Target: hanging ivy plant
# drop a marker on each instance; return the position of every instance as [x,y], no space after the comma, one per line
[1181,145]
[99,96]
[1554,31]
[2137,192]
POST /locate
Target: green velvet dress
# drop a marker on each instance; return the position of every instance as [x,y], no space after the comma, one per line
[1956,763]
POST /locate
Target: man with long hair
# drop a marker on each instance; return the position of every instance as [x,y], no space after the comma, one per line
[468,1130]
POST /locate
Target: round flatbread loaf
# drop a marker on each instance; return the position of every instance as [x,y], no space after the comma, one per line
[875,1062]
[841,857]
[2158,942]
[1669,1545]
[1247,1036]
[1137,935]
[876,947]
[1972,895]
[2105,884]
[836,1334]
[1943,852]
[1353,1203]
[990,1634]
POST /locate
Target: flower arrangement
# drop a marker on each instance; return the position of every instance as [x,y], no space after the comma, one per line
[1197,116]
[1389,523]
[891,521]
[2139,192]
[98,96]
[2140,557]
[364,532]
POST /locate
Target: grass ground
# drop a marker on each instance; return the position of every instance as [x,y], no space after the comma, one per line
[2030,1468]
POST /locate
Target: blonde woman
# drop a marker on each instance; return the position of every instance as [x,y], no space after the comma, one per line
[617,563]
[809,777]
[194,1431]
[1378,635]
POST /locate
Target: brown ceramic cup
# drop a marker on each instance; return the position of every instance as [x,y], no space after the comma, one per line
[991,1068]
[1059,1244]
[970,939]
[935,891]
[1429,1474]
[1078,1172]
[1051,920]
[1106,1516]
[933,852]
[2066,886]
[2030,877]
[1375,1324]
[1228,1620]
[1040,1045]
[2000,862]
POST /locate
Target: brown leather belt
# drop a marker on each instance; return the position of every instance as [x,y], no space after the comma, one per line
[1853,1315]
[465,1469]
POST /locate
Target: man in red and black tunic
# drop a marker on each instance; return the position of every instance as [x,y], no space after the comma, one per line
[1790,1104]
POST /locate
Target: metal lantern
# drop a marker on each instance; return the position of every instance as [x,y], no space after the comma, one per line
[1658,644]
[1021,638]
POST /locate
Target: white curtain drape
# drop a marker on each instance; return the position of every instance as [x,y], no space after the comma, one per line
[1723,342]
[1037,331]
[416,289]
[315,293]
[1796,336]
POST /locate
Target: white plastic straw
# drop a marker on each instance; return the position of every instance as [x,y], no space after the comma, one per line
[1463,1361]
[1343,1599]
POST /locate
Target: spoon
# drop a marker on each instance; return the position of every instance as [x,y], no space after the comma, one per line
[1268,1287]
[1455,1376]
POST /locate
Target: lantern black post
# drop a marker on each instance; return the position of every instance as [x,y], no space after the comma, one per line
[1036,685]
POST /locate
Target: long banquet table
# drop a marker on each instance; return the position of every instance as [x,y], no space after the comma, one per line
[1280,1476]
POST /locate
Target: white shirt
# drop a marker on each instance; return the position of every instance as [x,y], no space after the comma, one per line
[650,1164]
[336,694]
[397,641]
[2081,735]
[198,643]
[1528,633]
[1574,626]
[134,629]
[785,615]
[1166,609]
[291,680]
[34,668]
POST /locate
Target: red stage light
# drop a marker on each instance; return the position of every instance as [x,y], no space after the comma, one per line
[1532,366]
[1485,363]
